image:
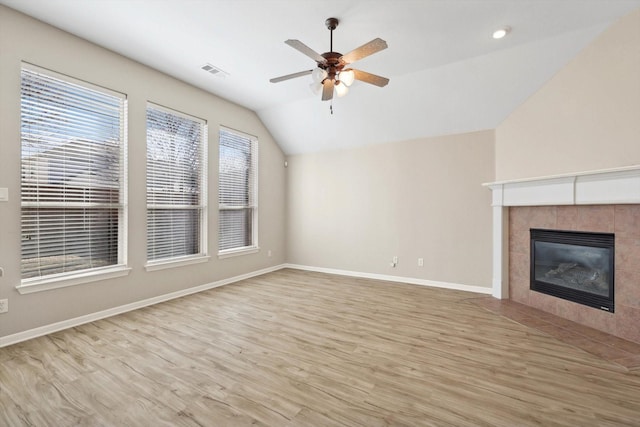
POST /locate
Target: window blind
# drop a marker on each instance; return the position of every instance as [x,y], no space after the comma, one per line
[176,184]
[237,190]
[72,165]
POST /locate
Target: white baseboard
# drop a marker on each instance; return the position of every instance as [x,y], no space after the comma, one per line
[77,321]
[400,279]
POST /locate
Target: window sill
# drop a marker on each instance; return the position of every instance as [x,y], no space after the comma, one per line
[175,262]
[29,286]
[238,252]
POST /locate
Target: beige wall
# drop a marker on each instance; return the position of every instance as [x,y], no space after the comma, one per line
[587,117]
[356,209]
[24,39]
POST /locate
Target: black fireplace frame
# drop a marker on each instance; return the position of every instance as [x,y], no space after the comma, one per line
[599,240]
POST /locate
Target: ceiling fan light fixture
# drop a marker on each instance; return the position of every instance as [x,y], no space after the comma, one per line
[341,89]
[347,76]
[318,75]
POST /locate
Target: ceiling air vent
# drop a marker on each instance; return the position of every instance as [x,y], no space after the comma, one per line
[212,69]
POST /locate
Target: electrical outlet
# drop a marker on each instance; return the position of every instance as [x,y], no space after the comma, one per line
[394,262]
[269,253]
[4,305]
[420,262]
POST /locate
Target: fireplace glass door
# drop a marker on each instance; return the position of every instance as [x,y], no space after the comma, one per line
[576,266]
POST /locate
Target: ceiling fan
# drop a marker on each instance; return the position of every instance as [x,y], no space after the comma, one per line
[331,72]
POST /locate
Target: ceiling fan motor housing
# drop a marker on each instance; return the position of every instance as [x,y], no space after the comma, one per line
[333,63]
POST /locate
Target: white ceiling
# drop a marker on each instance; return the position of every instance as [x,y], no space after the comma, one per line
[447,74]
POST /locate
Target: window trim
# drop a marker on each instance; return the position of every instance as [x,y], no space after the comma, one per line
[121,268]
[175,262]
[63,280]
[202,255]
[254,247]
[245,250]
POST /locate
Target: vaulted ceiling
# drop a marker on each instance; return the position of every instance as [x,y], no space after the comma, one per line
[447,73]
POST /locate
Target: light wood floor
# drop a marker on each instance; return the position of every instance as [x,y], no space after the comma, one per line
[295,348]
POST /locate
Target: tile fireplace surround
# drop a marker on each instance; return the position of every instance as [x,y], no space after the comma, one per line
[600,201]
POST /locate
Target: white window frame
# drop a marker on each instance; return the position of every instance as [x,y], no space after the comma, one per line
[253,182]
[201,256]
[120,268]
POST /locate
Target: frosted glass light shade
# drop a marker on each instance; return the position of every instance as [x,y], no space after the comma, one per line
[316,88]
[318,75]
[341,89]
[347,76]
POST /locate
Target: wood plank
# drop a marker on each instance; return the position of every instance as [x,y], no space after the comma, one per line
[295,348]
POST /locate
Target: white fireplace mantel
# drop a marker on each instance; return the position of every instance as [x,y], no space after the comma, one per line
[601,187]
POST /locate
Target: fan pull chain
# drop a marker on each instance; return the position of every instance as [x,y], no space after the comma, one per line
[331,107]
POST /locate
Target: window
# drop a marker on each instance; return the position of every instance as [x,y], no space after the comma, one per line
[73,164]
[176,185]
[238,192]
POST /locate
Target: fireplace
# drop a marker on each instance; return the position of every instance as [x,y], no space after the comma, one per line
[602,201]
[576,266]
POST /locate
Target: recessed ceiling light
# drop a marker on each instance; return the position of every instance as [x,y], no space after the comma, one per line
[500,33]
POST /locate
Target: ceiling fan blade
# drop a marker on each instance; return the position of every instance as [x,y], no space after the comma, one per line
[373,79]
[375,45]
[290,76]
[301,47]
[327,89]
